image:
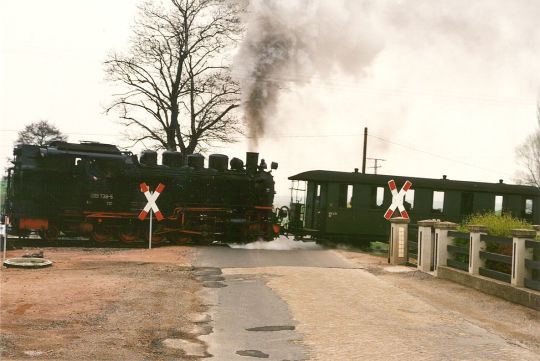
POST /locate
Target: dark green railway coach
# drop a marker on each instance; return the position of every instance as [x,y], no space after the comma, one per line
[350,207]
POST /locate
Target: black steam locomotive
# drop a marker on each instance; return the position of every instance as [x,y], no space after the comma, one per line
[94,190]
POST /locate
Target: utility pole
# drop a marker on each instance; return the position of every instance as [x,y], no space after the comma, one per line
[365,150]
[376,161]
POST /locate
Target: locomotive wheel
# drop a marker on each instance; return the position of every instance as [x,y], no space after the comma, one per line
[127,235]
[50,234]
[156,238]
[100,234]
[177,238]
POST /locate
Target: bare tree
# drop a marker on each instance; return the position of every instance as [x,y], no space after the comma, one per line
[178,88]
[40,133]
[528,155]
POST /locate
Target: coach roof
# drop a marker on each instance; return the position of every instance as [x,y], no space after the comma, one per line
[326,176]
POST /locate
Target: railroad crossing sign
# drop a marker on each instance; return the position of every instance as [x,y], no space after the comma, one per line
[151,197]
[397,199]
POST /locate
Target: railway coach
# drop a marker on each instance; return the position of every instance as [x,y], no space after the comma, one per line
[350,207]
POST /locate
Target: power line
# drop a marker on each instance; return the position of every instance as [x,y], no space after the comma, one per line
[376,163]
[438,155]
[315,81]
[67,133]
[278,136]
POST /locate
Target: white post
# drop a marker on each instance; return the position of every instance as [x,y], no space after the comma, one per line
[519,254]
[3,231]
[441,243]
[425,242]
[150,232]
[475,246]
[397,251]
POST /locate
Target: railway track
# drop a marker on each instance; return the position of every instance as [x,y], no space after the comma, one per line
[16,242]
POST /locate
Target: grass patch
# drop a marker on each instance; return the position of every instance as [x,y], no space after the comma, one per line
[497,225]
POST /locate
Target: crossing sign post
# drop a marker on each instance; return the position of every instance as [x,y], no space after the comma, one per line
[151,206]
[3,234]
[397,199]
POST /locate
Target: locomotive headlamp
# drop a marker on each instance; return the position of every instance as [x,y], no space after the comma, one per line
[273,165]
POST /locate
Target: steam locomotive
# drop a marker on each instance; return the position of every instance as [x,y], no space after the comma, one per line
[94,190]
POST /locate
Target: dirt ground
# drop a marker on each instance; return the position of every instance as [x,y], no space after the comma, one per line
[99,304]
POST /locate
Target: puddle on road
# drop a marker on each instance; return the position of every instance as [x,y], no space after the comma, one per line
[207,271]
[271,328]
[209,278]
[200,318]
[189,347]
[253,353]
[213,284]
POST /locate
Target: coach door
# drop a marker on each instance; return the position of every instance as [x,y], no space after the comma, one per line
[319,206]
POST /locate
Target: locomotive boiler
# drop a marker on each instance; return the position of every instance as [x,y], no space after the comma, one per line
[93,190]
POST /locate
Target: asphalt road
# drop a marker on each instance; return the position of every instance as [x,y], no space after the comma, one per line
[277,302]
[249,320]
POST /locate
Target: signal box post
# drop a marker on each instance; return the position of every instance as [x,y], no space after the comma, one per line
[397,251]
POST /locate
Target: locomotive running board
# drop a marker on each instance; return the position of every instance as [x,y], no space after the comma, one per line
[110,215]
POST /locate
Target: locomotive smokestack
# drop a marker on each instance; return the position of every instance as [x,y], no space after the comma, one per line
[252,159]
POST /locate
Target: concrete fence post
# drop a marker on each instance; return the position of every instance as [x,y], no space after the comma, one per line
[519,254]
[475,246]
[536,227]
[397,250]
[425,245]
[441,243]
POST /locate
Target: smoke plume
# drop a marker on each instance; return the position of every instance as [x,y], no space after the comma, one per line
[292,41]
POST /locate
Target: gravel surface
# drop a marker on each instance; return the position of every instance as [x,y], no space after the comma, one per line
[100,304]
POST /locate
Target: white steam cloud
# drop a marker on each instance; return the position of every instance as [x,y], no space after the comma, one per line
[279,244]
[293,41]
[416,45]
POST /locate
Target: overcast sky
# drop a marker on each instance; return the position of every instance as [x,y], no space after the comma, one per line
[448,87]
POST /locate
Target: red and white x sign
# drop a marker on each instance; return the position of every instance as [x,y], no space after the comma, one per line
[151,197]
[397,199]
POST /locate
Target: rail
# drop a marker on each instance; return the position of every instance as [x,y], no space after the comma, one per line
[496,258]
[458,250]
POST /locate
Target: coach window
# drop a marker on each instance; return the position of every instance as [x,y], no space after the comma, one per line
[377,197]
[438,202]
[528,207]
[409,199]
[345,195]
[349,195]
[498,205]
